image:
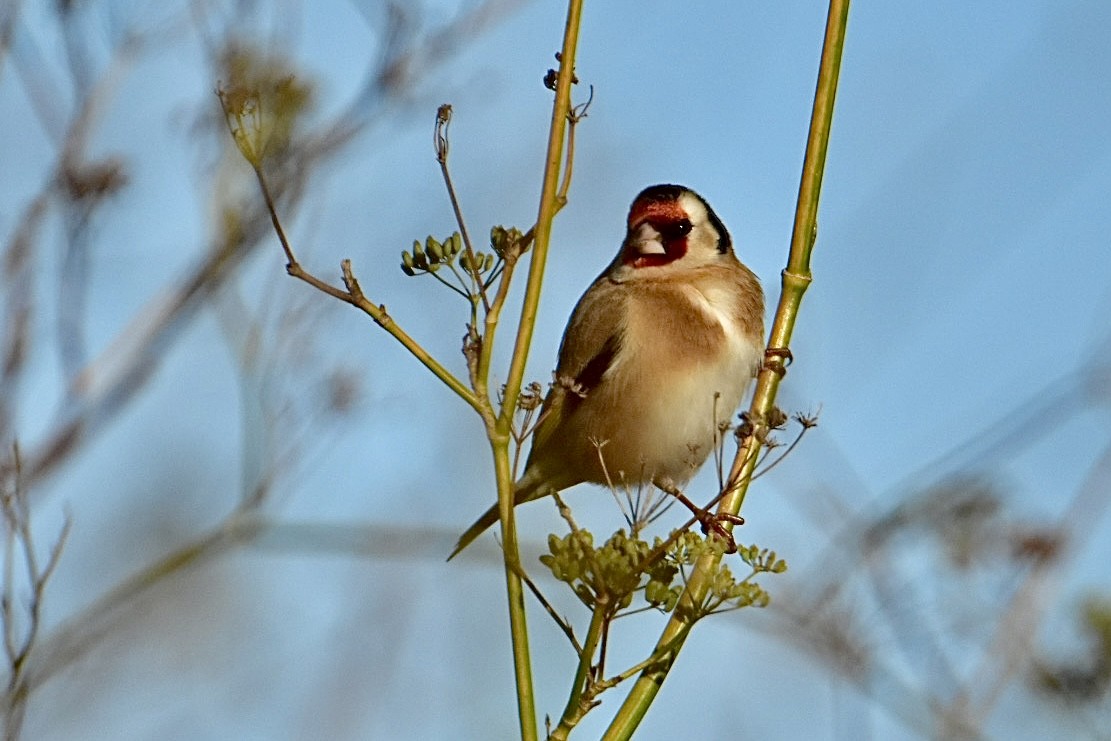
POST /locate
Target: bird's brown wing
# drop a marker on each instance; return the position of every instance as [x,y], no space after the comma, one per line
[590,344]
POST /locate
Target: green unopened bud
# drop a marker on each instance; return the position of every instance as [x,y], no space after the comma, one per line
[498,239]
[479,261]
[431,242]
[407,263]
[476,265]
[435,251]
[420,260]
[456,242]
[489,263]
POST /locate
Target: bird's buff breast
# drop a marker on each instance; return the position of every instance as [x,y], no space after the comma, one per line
[679,374]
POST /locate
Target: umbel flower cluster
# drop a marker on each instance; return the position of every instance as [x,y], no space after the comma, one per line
[614,573]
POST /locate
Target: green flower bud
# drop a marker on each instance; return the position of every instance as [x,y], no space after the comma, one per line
[420,260]
[435,251]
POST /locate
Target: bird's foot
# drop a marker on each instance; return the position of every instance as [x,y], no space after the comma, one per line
[710,522]
[715,523]
[776,359]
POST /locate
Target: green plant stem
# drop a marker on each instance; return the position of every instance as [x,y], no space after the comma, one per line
[549,205]
[500,432]
[796,279]
[515,593]
[657,655]
[382,318]
[476,282]
[489,334]
[575,710]
[493,313]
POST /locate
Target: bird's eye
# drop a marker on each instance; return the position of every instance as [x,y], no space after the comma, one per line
[678,229]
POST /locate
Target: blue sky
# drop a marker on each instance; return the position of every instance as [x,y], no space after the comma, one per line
[962,270]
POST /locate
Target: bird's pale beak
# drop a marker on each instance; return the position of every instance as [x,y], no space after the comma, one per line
[645,240]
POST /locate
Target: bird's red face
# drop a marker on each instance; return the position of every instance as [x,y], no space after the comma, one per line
[657,234]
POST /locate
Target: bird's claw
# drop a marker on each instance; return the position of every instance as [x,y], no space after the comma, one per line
[709,521]
[776,359]
[715,523]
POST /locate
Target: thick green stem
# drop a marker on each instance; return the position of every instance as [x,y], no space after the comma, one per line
[796,278]
[515,592]
[549,205]
[500,431]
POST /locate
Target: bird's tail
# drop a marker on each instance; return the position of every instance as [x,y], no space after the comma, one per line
[528,488]
[489,517]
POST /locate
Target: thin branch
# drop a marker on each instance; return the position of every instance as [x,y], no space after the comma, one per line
[563,623]
[18,644]
[574,116]
[1010,645]
[657,656]
[354,296]
[442,145]
[790,448]
[579,700]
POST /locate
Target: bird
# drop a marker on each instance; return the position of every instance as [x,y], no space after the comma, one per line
[657,352]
